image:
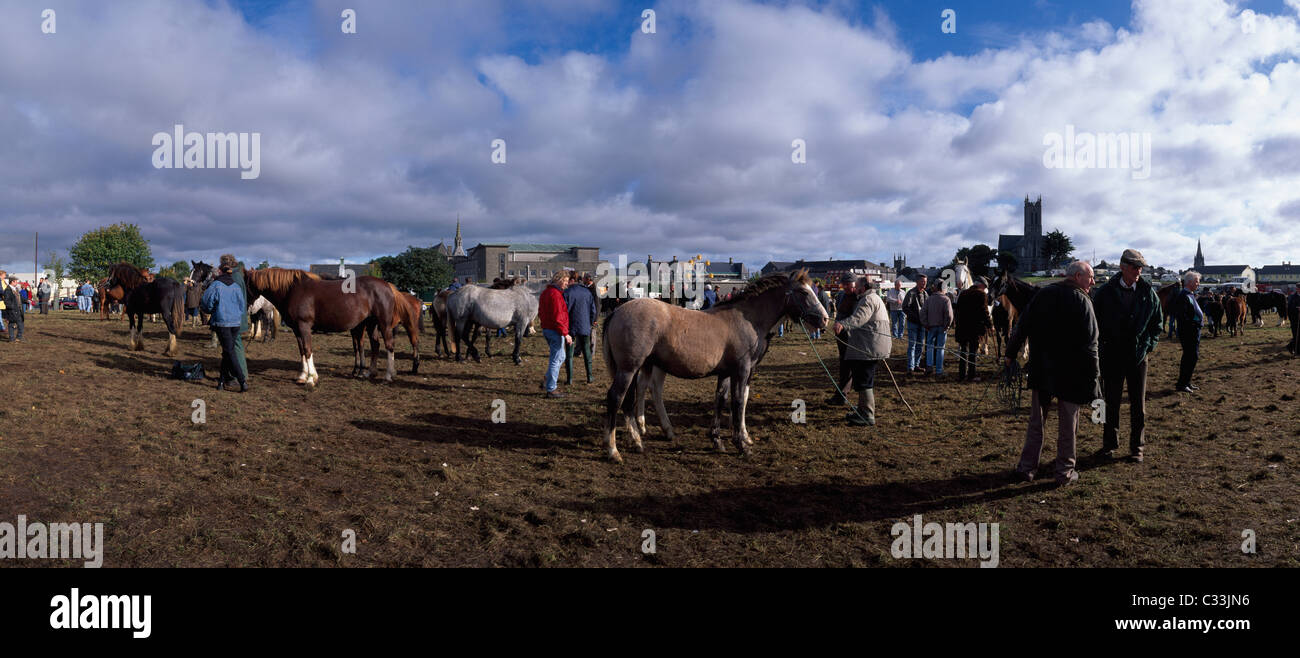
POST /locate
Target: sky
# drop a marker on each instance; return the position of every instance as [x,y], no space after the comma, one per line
[672,143]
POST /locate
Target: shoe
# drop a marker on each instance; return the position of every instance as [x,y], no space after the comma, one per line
[554,394]
[221,386]
[1067,481]
[1105,454]
[1183,389]
[590,380]
[1194,387]
[243,387]
[1135,457]
[1021,476]
[857,420]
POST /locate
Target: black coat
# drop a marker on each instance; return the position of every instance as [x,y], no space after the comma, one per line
[1127,335]
[1061,328]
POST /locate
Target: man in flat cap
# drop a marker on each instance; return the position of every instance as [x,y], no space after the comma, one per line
[1129,322]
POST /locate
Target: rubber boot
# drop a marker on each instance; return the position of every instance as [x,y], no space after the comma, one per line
[866,413]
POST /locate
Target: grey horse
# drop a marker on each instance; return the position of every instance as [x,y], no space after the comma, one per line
[472,307]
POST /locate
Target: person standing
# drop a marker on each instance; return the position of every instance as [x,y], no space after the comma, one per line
[13,301]
[1061,328]
[84,293]
[913,304]
[936,315]
[1187,312]
[1129,322]
[237,276]
[847,303]
[554,314]
[1293,316]
[581,304]
[226,302]
[866,330]
[973,323]
[710,297]
[43,295]
[8,305]
[894,302]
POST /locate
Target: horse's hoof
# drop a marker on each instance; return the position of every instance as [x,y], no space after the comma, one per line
[616,458]
[518,361]
[640,448]
[720,446]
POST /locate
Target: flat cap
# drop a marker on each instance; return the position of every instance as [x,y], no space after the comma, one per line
[1133,257]
[848,278]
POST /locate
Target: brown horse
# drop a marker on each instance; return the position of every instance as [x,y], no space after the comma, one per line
[409,312]
[1234,311]
[358,305]
[107,296]
[645,338]
[438,313]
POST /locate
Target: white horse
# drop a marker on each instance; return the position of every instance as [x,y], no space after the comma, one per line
[472,307]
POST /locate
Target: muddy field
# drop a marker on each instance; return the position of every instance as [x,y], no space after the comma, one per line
[91,432]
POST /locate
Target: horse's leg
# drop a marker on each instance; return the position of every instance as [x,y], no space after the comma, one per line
[471,333]
[358,356]
[719,398]
[312,376]
[657,390]
[519,341]
[739,399]
[621,380]
[415,351]
[487,341]
[642,384]
[304,348]
[386,333]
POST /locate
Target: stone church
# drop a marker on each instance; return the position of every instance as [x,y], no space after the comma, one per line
[1028,249]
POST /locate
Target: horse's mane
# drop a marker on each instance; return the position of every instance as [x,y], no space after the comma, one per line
[504,284]
[277,280]
[760,286]
[127,275]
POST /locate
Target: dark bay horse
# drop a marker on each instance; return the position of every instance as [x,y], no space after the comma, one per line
[122,278]
[109,295]
[645,338]
[358,305]
[201,274]
[438,315]
[1013,295]
[160,295]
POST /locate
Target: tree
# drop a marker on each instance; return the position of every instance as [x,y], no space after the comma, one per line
[1057,247]
[57,266]
[105,246]
[263,265]
[178,270]
[417,268]
[979,257]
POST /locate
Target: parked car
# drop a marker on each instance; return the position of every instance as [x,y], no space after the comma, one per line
[67,303]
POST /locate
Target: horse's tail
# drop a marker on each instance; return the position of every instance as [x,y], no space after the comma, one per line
[178,310]
[275,321]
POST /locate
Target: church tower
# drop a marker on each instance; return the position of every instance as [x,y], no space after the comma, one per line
[1199,262]
[1033,241]
[900,262]
[459,248]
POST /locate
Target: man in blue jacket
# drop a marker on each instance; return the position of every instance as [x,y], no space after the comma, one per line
[225,301]
[582,319]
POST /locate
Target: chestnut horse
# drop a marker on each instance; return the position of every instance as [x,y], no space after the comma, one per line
[107,295]
[121,279]
[409,312]
[645,338]
[355,304]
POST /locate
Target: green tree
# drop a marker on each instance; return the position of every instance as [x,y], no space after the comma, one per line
[105,246]
[263,265]
[980,257]
[1057,247]
[416,269]
[57,266]
[178,270]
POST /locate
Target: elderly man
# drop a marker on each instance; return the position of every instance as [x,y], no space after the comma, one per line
[1129,321]
[1187,313]
[913,306]
[865,329]
[1062,332]
[1293,316]
[973,322]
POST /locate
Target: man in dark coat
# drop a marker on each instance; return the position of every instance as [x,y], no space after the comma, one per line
[1061,328]
[1293,316]
[1190,317]
[973,322]
[845,303]
[1129,320]
[582,318]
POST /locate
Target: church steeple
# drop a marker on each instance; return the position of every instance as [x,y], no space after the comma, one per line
[458,248]
[1199,262]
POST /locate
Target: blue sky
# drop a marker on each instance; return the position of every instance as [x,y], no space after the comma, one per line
[674,143]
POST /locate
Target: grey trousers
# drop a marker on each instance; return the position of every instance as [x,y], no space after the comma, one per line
[1068,426]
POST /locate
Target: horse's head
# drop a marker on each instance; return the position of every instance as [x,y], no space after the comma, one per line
[801,302]
[200,274]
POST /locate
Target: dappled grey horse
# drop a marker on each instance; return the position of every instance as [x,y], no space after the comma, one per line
[472,307]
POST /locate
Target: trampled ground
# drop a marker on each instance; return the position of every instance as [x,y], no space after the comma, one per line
[91,432]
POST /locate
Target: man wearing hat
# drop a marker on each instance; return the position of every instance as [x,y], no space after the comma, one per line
[973,322]
[1129,322]
[845,303]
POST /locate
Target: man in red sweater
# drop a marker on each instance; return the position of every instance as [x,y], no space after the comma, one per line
[554,314]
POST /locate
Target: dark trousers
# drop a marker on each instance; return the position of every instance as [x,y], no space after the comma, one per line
[1115,373]
[44,304]
[1294,319]
[581,345]
[967,353]
[1190,337]
[14,323]
[863,374]
[231,369]
[846,373]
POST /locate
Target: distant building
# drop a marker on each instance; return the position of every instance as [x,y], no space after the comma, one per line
[831,270]
[530,261]
[1029,249]
[1272,276]
[456,251]
[1222,273]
